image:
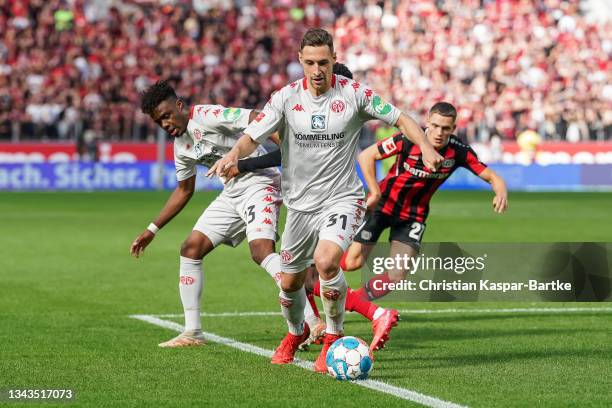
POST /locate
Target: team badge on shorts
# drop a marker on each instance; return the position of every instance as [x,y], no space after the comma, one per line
[366,235]
[317,122]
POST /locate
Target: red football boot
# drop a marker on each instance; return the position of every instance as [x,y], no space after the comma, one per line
[320,366]
[382,328]
[286,350]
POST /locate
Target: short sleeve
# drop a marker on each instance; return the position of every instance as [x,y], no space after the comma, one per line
[472,163]
[268,120]
[185,167]
[392,145]
[225,120]
[373,106]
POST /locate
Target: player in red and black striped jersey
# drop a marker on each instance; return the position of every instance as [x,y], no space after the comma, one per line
[401,201]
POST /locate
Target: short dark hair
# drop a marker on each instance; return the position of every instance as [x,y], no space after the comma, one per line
[156,94]
[341,69]
[444,109]
[316,37]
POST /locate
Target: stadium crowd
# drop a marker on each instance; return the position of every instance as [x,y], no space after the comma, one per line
[74,69]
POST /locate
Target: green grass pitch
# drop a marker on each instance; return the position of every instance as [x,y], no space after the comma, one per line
[68,287]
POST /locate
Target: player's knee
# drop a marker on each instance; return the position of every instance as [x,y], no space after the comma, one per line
[260,249]
[196,246]
[290,285]
[327,265]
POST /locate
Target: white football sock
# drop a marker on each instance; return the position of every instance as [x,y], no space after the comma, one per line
[190,288]
[333,296]
[292,306]
[272,265]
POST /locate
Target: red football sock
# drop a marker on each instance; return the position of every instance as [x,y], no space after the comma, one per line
[343,261]
[355,303]
[371,290]
[316,289]
[310,297]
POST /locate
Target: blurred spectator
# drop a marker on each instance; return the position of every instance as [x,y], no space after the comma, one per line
[70,68]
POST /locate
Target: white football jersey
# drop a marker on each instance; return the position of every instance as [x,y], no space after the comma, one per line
[212,131]
[319,139]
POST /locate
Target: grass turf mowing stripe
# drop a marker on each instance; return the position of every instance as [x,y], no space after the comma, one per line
[551,310]
[379,386]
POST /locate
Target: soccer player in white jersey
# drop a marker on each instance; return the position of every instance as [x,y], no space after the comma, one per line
[248,205]
[319,118]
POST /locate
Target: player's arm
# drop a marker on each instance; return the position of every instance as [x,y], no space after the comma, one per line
[272,159]
[498,185]
[413,132]
[274,137]
[244,147]
[367,162]
[175,203]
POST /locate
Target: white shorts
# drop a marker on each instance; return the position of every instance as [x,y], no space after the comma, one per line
[254,214]
[304,230]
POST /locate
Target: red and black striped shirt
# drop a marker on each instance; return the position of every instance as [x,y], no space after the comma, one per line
[409,186]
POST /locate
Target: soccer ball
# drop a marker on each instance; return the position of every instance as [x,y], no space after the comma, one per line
[349,358]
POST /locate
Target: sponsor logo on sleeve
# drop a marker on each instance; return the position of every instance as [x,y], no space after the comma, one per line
[260,117]
[380,106]
[231,114]
[337,106]
[317,122]
[389,146]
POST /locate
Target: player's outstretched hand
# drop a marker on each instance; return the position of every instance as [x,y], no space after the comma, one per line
[500,203]
[140,243]
[231,173]
[223,166]
[431,158]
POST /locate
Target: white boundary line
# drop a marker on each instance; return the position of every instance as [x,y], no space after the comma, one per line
[426,311]
[379,386]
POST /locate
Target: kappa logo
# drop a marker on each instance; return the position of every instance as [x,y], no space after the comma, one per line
[268,199]
[270,189]
[340,237]
[298,108]
[187,280]
[343,82]
[260,117]
[331,294]
[216,112]
[206,111]
[337,106]
[368,93]
[355,85]
[286,256]
[200,110]
[267,221]
[294,84]
[317,122]
[267,210]
[389,146]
